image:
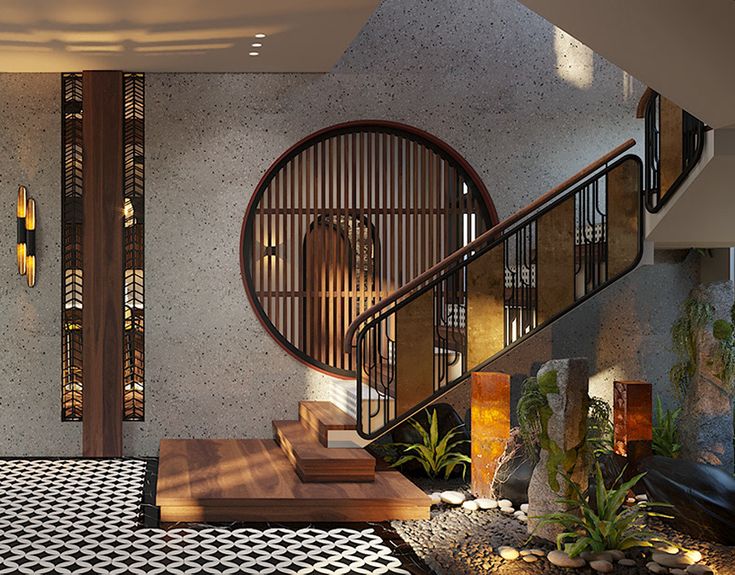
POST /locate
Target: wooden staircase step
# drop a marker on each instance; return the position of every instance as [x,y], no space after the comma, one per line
[323,417]
[314,462]
[252,480]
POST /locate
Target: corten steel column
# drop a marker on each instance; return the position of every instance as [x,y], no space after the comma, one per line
[490,410]
[632,416]
[102,241]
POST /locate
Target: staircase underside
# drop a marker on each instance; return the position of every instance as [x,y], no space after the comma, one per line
[294,478]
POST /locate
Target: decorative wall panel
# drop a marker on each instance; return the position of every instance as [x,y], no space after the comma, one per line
[346,217]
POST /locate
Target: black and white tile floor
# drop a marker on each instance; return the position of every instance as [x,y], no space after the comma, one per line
[84,517]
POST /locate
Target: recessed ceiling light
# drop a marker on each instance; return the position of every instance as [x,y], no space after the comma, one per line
[256,45]
[255,53]
[261,35]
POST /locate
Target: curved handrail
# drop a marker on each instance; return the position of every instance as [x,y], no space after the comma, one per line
[480,240]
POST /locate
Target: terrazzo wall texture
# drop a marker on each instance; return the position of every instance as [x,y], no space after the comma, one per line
[482,75]
[30,410]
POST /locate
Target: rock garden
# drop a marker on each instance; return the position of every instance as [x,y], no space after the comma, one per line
[579,485]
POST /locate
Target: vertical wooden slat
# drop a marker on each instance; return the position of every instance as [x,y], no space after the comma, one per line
[102,240]
[623,211]
[672,144]
[555,260]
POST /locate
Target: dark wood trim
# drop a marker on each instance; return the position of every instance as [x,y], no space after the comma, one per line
[640,111]
[102,241]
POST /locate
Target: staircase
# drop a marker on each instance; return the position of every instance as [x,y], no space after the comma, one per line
[426,338]
[293,478]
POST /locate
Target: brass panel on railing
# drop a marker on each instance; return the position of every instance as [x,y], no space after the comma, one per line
[415,357]
[623,216]
[672,145]
[485,306]
[555,260]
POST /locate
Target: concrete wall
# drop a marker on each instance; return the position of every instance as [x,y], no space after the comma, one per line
[523,103]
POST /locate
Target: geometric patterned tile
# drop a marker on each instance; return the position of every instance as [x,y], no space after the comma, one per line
[79,516]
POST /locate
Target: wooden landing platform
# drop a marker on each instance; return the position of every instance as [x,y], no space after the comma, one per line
[253,480]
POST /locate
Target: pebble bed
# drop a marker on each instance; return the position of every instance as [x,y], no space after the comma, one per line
[462,541]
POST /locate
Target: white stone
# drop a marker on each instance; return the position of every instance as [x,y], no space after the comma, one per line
[470,506]
[508,553]
[538,552]
[505,503]
[641,497]
[508,510]
[631,500]
[453,497]
[694,555]
[654,567]
[530,558]
[666,548]
[436,498]
[602,566]
[672,561]
[524,507]
[519,512]
[522,518]
[561,559]
[699,570]
[487,503]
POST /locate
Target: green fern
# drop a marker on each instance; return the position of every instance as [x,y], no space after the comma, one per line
[696,314]
[435,454]
[609,525]
[665,431]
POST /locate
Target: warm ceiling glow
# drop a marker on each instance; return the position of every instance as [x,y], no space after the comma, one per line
[255,53]
[183,47]
[260,35]
[256,45]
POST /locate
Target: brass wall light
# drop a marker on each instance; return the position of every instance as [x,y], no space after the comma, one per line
[26,241]
[20,213]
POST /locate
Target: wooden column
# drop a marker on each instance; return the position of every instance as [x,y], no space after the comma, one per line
[485,306]
[490,410]
[102,240]
[632,416]
[555,260]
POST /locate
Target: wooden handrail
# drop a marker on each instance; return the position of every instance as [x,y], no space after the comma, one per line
[497,228]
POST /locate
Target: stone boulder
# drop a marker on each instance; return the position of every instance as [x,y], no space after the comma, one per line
[565,383]
[706,421]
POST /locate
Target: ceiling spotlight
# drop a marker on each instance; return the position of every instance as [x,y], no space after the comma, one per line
[256,45]
[261,35]
[255,53]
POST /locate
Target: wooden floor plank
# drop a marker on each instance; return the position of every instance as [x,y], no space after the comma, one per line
[324,416]
[252,480]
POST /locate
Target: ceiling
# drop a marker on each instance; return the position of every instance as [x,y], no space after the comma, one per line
[681,48]
[178,35]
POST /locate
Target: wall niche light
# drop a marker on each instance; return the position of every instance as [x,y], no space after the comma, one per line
[26,241]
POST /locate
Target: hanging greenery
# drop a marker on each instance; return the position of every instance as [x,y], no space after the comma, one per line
[696,315]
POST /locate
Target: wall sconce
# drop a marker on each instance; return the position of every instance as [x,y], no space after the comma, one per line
[26,241]
[20,213]
[269,251]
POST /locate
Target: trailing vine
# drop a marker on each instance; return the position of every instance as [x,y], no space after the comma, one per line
[696,315]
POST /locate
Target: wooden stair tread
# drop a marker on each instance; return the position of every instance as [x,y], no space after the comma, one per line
[323,417]
[253,480]
[315,462]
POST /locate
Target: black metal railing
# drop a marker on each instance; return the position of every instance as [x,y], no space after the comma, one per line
[568,245]
[673,145]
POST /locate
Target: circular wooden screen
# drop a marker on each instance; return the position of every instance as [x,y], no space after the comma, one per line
[344,218]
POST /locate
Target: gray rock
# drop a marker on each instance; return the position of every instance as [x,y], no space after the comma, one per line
[470,506]
[699,570]
[453,497]
[654,567]
[486,503]
[566,427]
[678,571]
[602,566]
[508,553]
[706,421]
[616,554]
[530,558]
[672,561]
[601,556]
[561,559]
[627,563]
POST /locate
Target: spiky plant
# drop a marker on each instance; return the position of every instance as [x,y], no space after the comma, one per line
[665,431]
[434,453]
[610,525]
[600,431]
